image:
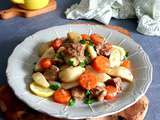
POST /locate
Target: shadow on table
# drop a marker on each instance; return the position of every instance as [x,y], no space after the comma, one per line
[5,4]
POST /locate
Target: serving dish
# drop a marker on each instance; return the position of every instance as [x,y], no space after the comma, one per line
[21,62]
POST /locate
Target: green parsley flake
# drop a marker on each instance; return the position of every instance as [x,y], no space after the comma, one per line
[54,86]
[71,102]
[70,63]
[82,41]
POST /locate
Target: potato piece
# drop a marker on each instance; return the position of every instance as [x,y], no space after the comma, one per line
[92,51]
[120,72]
[74,60]
[115,58]
[70,85]
[43,47]
[100,76]
[121,50]
[40,79]
[71,73]
[74,37]
[40,91]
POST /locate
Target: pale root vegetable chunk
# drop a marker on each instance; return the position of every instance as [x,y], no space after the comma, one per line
[115,58]
[92,51]
[74,37]
[74,61]
[40,91]
[121,50]
[120,72]
[49,53]
[71,73]
[103,77]
[40,79]
[43,47]
[70,85]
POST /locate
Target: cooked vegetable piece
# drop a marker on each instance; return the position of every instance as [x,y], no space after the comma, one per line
[100,84]
[82,41]
[111,92]
[70,85]
[72,102]
[61,96]
[96,38]
[92,52]
[71,73]
[55,86]
[74,37]
[45,63]
[43,47]
[56,44]
[49,53]
[85,37]
[40,79]
[100,63]
[41,91]
[115,58]
[121,50]
[120,72]
[88,80]
[89,101]
[102,77]
[126,64]
[73,61]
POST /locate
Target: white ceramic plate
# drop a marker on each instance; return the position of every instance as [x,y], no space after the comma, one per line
[20,65]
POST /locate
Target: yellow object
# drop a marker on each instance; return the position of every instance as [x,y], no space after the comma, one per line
[31,4]
[40,91]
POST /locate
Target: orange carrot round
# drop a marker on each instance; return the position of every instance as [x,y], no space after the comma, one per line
[88,80]
[111,92]
[85,37]
[61,96]
[56,43]
[100,63]
[96,38]
[45,63]
[126,64]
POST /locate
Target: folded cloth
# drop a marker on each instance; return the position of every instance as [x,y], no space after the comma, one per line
[147,12]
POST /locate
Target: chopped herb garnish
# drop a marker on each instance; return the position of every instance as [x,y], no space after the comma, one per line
[88,93]
[126,56]
[91,43]
[86,53]
[82,64]
[82,41]
[70,62]
[58,55]
[71,102]
[88,101]
[54,86]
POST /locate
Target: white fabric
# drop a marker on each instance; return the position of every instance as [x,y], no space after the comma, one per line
[147,11]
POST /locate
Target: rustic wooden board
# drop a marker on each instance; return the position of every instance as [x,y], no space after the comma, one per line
[16,11]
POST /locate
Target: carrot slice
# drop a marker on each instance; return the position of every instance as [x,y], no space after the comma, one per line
[85,37]
[100,63]
[111,92]
[96,38]
[126,64]
[56,43]
[61,96]
[88,80]
[45,63]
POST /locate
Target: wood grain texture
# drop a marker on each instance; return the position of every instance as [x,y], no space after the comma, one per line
[16,11]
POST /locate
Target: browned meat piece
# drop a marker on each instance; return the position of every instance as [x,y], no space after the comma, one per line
[74,50]
[78,93]
[104,49]
[99,93]
[51,74]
